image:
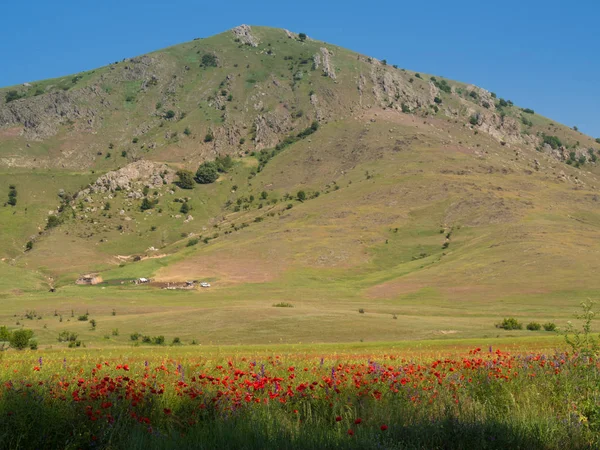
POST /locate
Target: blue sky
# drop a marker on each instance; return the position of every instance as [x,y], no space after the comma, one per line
[543,55]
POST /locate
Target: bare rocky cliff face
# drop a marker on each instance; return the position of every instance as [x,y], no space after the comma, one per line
[41,116]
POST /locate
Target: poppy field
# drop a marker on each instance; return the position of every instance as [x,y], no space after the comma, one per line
[480,398]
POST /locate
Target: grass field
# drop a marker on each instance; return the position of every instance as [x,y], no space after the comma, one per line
[396,396]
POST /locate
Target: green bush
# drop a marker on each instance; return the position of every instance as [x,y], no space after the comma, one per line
[186,179]
[474,119]
[53,221]
[283,305]
[29,246]
[207,173]
[550,326]
[185,208]
[302,37]
[11,96]
[442,85]
[533,326]
[437,100]
[169,114]
[19,339]
[528,111]
[146,204]
[192,242]
[510,324]
[209,60]
[65,336]
[552,141]
[158,340]
[209,137]
[301,196]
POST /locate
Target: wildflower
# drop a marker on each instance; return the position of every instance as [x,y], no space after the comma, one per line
[350,432]
[167,411]
[338,419]
[383,427]
[36,369]
[357,421]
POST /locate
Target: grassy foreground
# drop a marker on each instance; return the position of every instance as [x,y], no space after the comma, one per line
[360,396]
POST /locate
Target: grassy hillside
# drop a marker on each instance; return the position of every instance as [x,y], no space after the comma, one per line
[433,207]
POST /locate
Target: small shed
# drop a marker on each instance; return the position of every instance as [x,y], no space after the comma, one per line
[89,279]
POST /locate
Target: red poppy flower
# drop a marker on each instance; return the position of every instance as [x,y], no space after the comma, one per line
[338,419]
[350,432]
[358,420]
[167,411]
[384,427]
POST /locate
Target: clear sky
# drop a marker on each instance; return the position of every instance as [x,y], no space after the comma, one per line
[543,55]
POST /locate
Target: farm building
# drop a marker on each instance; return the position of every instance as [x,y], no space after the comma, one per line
[89,279]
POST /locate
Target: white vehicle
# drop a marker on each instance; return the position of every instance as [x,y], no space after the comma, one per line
[204,284]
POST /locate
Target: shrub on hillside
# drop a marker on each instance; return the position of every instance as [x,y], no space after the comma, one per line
[185,208]
[437,100]
[528,111]
[302,36]
[552,141]
[146,204]
[550,326]
[474,119]
[510,323]
[192,242]
[209,60]
[207,173]
[186,179]
[53,221]
[169,114]
[11,96]
[19,339]
[533,326]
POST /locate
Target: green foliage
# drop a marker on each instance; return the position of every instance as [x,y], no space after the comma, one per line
[528,111]
[474,119]
[185,208]
[66,336]
[550,326]
[207,173]
[510,323]
[302,37]
[187,131]
[301,196]
[209,137]
[209,60]
[223,163]
[474,95]
[28,246]
[526,121]
[405,108]
[598,140]
[418,75]
[192,242]
[502,103]
[283,305]
[11,96]
[19,339]
[169,114]
[437,100]
[533,326]
[146,204]
[442,85]
[552,141]
[53,221]
[582,342]
[186,179]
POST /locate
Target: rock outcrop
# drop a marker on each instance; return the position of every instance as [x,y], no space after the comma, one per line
[244,34]
[323,59]
[145,173]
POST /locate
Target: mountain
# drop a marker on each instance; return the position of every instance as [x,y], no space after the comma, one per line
[344,184]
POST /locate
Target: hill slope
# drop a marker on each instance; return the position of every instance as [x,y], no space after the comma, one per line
[424,199]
